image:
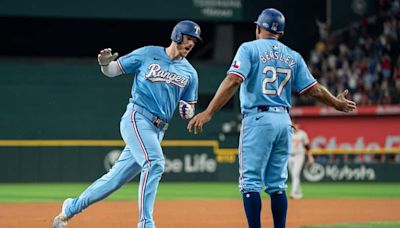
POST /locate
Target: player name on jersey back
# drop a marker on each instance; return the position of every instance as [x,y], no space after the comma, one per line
[276,55]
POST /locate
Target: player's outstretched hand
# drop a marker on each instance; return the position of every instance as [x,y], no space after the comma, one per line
[197,122]
[105,56]
[343,104]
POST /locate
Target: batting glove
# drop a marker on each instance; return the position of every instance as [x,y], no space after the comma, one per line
[185,110]
[105,57]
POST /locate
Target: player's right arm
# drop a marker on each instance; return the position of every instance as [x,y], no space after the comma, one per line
[109,66]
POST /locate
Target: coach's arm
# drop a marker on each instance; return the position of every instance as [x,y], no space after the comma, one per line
[226,90]
[321,94]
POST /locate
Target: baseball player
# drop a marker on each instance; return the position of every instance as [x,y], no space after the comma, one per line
[266,70]
[300,146]
[163,78]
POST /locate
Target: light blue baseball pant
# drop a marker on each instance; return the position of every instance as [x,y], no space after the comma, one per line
[264,146]
[142,153]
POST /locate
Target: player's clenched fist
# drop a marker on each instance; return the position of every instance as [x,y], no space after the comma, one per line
[185,110]
[105,57]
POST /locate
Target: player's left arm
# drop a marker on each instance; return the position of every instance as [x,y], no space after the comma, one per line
[224,93]
[193,105]
[189,97]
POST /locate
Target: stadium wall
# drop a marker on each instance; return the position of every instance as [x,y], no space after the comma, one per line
[59,122]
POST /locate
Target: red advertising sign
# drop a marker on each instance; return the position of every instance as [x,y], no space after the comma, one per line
[352,132]
[328,111]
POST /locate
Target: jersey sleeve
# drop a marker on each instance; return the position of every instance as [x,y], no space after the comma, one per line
[131,62]
[303,80]
[241,63]
[191,92]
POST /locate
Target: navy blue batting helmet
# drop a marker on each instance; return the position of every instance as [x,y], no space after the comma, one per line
[189,28]
[271,20]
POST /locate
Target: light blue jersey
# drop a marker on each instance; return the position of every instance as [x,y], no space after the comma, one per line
[160,82]
[269,70]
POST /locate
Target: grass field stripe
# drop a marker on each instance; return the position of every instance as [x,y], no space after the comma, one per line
[54,192]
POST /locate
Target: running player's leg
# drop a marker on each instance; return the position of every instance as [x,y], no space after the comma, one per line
[124,170]
[144,140]
[276,171]
[255,142]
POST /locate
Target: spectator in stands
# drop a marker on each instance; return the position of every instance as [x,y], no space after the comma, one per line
[361,58]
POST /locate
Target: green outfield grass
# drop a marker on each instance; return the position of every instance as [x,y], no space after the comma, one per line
[359,225]
[58,191]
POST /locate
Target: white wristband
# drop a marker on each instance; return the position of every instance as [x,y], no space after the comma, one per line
[111,70]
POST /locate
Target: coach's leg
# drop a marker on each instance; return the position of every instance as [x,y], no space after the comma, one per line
[279,208]
[276,172]
[252,161]
[144,139]
[252,206]
[124,170]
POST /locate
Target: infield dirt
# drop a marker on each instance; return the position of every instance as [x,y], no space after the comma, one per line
[203,213]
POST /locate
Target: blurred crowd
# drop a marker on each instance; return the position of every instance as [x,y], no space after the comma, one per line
[363,57]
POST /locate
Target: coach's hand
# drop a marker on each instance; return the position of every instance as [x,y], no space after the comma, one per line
[198,121]
[343,104]
[105,57]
